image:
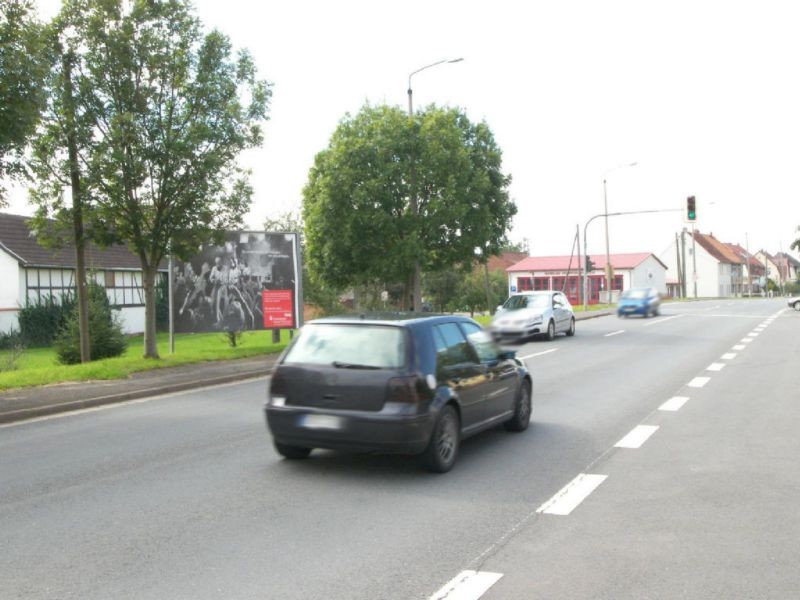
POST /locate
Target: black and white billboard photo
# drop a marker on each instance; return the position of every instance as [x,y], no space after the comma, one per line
[250,282]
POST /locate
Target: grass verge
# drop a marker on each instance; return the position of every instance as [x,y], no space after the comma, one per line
[40,366]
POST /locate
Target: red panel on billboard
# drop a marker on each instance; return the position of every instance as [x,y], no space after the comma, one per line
[278,309]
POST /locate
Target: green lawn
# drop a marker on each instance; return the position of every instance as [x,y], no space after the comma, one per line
[39,366]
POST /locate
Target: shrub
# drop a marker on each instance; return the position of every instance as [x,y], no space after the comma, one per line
[40,321]
[11,348]
[105,332]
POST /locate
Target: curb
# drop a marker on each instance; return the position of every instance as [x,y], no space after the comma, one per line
[593,314]
[25,414]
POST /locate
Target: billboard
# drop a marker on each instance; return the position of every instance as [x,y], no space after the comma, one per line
[250,282]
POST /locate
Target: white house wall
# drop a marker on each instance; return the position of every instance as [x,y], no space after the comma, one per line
[649,273]
[9,293]
[131,318]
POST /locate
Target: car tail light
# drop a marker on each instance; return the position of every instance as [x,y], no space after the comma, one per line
[404,389]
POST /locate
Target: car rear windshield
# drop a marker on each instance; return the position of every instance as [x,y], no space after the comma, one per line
[352,346]
[637,294]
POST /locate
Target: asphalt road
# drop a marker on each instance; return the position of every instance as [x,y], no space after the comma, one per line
[183,496]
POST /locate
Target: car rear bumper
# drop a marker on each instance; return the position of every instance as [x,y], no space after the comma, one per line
[350,430]
[633,310]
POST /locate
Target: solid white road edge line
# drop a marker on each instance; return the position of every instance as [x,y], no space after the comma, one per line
[571,495]
[637,436]
[715,367]
[538,354]
[467,585]
[674,403]
[615,333]
[728,356]
[698,382]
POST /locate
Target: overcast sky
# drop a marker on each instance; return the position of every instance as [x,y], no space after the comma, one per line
[704,96]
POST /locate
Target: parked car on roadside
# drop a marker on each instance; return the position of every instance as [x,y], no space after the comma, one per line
[639,301]
[795,302]
[528,314]
[394,383]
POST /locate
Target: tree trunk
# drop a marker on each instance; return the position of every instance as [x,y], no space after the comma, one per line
[149,273]
[77,212]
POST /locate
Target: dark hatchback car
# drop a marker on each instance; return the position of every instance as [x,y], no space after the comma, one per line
[395,384]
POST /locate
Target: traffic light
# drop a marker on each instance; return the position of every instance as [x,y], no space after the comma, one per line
[691,213]
[589,265]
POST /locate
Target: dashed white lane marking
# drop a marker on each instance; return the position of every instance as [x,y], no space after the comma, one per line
[467,585]
[739,347]
[673,403]
[746,340]
[728,356]
[571,495]
[753,334]
[662,320]
[698,382]
[615,333]
[715,367]
[637,436]
[538,354]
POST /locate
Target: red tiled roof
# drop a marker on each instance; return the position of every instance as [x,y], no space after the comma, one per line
[502,261]
[561,263]
[751,260]
[717,249]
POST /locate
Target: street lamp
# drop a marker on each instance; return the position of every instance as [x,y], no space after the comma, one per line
[440,62]
[415,283]
[609,268]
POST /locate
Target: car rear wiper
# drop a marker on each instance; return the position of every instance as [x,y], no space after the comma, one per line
[344,365]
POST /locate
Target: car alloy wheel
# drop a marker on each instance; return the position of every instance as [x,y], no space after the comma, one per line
[797,305]
[522,410]
[444,444]
[571,330]
[551,330]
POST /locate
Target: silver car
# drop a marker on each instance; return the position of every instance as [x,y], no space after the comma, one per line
[533,314]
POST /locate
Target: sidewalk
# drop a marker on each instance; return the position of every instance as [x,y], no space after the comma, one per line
[28,403]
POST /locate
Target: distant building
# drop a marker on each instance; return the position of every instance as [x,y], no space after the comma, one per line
[719,268]
[752,269]
[641,269]
[31,273]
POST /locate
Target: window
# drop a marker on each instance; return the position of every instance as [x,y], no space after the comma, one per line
[123,288]
[366,346]
[524,284]
[451,345]
[481,342]
[541,283]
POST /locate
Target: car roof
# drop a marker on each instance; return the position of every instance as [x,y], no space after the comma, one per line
[397,319]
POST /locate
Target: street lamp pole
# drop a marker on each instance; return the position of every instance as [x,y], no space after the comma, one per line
[609,267]
[416,284]
[606,215]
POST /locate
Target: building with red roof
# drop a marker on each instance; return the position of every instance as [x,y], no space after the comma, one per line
[640,269]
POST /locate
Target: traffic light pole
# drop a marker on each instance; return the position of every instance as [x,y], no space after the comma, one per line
[586,248]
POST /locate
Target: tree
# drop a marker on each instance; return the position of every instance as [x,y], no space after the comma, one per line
[357,202]
[164,111]
[23,68]
[471,293]
[795,245]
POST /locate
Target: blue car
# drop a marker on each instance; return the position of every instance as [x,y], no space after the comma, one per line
[639,301]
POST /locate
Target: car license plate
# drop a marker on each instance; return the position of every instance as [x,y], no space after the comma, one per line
[321,422]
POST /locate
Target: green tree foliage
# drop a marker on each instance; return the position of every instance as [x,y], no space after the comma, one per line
[23,68]
[106,337]
[356,205]
[795,245]
[315,291]
[40,321]
[471,293]
[163,111]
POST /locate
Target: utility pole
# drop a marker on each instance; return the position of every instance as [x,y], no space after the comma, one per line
[581,265]
[683,262]
[694,263]
[678,262]
[749,269]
